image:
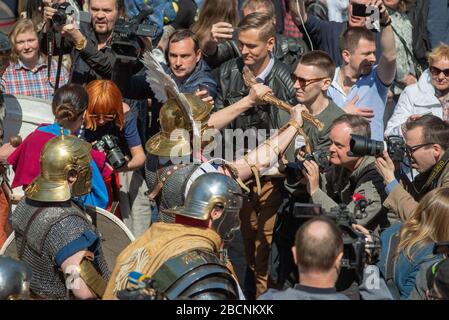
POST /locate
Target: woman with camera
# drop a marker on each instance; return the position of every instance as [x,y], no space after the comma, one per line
[69,106]
[107,115]
[112,127]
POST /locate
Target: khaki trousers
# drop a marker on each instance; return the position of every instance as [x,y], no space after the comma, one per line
[257,217]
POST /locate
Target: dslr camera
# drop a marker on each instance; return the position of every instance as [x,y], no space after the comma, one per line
[109,145]
[66,10]
[293,170]
[362,146]
[354,243]
[126,44]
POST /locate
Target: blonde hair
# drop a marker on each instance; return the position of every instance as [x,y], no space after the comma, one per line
[428,224]
[214,11]
[21,26]
[442,51]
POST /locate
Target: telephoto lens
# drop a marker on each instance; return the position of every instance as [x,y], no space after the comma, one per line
[360,146]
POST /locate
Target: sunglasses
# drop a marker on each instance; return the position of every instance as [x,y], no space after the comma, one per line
[303,83]
[436,71]
[104,117]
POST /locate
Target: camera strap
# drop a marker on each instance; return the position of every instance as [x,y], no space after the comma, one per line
[437,170]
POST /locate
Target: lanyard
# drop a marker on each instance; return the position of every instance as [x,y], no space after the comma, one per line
[436,171]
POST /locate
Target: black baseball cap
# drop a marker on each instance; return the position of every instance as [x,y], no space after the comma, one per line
[438,276]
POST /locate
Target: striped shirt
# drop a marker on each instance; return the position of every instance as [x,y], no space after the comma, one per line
[18,79]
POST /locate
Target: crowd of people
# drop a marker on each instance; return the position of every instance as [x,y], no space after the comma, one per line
[241,143]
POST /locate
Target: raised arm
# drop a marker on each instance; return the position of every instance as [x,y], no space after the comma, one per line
[387,64]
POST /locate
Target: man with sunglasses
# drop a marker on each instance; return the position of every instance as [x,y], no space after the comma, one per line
[311,78]
[427,145]
[429,95]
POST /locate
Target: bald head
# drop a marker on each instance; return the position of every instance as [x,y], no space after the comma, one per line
[318,243]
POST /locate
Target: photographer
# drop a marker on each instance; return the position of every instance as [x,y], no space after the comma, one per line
[90,45]
[109,121]
[348,175]
[427,146]
[318,253]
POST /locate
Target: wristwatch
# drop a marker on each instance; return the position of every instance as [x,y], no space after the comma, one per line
[80,45]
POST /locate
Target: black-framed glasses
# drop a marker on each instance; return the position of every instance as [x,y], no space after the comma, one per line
[411,149]
[436,71]
[303,83]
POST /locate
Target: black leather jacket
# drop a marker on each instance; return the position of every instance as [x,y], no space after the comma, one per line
[286,50]
[232,88]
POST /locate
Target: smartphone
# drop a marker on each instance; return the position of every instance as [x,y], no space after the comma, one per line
[360,10]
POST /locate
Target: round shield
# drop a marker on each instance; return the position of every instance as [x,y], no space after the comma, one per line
[114,235]
[9,247]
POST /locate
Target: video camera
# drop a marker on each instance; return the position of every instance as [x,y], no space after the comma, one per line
[125,39]
[109,145]
[293,170]
[362,146]
[354,243]
[68,12]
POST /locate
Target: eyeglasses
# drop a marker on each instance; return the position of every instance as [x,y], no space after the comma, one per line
[436,71]
[104,117]
[411,149]
[303,83]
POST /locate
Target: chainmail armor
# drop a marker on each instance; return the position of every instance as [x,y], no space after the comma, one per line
[172,192]
[56,227]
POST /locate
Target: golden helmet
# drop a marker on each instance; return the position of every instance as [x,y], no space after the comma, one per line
[62,156]
[172,118]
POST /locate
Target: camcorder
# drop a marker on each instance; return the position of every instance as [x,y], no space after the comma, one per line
[354,243]
[109,145]
[293,170]
[360,146]
[126,42]
[69,13]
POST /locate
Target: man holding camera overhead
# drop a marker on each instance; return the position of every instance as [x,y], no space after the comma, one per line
[90,44]
[427,145]
[350,179]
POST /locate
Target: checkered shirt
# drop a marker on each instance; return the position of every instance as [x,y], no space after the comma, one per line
[18,79]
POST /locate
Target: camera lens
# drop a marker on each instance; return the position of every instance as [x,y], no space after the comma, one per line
[362,146]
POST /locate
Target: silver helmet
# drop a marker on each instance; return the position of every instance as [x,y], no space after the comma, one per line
[15,277]
[209,191]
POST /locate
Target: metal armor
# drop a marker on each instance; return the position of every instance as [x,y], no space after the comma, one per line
[206,192]
[41,232]
[196,274]
[60,157]
[170,142]
[167,184]
[15,277]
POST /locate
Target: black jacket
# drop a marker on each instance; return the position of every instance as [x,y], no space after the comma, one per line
[231,89]
[286,50]
[88,64]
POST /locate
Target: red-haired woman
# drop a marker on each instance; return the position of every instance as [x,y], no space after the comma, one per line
[107,115]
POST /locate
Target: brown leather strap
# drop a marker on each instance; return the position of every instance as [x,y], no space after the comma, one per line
[27,229]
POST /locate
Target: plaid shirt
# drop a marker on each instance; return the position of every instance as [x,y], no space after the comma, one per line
[18,79]
[290,28]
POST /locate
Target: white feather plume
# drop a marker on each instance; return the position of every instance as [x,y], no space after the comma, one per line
[162,84]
